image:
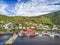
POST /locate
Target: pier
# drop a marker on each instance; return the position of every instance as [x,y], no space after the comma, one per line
[52,35]
[11,40]
[4,33]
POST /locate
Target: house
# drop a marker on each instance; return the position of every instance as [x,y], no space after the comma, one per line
[20,26]
[34,24]
[8,26]
[16,26]
[46,27]
[32,27]
[1,23]
[28,27]
[40,26]
[54,27]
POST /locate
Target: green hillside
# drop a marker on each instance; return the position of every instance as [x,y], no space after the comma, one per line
[55,17]
[47,19]
[21,19]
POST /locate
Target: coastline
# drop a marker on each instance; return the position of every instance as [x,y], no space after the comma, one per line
[4,33]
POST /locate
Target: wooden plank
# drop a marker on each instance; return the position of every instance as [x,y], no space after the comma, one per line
[11,40]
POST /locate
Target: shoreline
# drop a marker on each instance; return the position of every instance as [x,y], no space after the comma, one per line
[4,33]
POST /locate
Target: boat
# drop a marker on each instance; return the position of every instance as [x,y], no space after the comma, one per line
[54,35]
[19,34]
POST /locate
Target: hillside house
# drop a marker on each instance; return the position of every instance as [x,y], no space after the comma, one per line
[8,26]
[1,23]
[40,26]
[20,26]
[17,26]
[54,27]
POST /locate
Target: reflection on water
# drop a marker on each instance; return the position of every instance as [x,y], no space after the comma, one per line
[37,41]
[31,40]
[4,38]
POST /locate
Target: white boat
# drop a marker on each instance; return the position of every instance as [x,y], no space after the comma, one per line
[19,34]
[40,35]
[54,35]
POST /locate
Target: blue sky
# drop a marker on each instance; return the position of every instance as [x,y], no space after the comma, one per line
[28,7]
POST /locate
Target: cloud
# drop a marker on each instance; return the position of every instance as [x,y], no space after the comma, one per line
[36,7]
[3,9]
[30,8]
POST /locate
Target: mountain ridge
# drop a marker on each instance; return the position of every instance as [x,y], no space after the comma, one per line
[49,19]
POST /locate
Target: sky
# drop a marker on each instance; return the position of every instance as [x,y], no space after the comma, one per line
[28,7]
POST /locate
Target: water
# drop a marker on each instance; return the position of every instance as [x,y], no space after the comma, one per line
[37,41]
[4,38]
[31,40]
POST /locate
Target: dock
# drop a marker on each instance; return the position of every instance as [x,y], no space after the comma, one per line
[11,40]
[4,33]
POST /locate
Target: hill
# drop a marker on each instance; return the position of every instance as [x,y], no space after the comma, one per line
[22,19]
[55,17]
[47,19]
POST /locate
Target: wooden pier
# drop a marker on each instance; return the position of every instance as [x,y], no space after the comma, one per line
[11,40]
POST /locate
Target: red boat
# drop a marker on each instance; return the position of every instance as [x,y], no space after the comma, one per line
[31,32]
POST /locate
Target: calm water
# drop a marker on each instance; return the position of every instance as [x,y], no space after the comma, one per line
[31,41]
[37,41]
[4,38]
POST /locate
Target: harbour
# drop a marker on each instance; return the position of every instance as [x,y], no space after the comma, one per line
[37,41]
[29,22]
[40,39]
[4,38]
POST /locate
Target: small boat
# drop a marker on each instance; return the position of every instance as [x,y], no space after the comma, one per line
[54,35]
[19,34]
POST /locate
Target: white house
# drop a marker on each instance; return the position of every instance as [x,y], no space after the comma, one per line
[54,27]
[46,27]
[32,27]
[40,26]
[1,23]
[8,26]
